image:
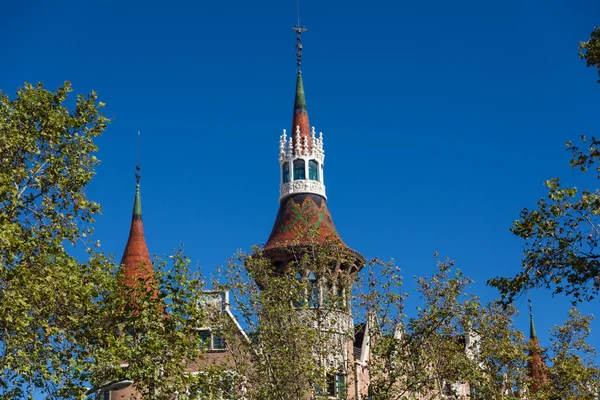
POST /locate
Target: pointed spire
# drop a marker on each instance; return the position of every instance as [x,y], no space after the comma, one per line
[532,333]
[136,263]
[300,117]
[536,365]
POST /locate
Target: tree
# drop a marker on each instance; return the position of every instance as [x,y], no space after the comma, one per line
[149,333]
[453,346]
[297,324]
[573,373]
[561,237]
[47,159]
[57,314]
[460,348]
[590,50]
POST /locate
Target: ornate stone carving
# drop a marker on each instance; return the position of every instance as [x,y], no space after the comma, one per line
[290,150]
[301,186]
[306,149]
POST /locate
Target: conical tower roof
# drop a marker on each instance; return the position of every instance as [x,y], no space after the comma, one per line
[136,264]
[537,366]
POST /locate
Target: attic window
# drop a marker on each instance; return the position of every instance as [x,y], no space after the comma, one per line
[212,341]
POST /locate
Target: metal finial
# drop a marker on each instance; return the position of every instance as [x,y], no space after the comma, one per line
[299,31]
[138,176]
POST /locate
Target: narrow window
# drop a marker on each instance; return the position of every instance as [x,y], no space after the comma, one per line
[205,338]
[335,386]
[104,395]
[286,172]
[313,170]
[299,170]
[313,296]
[219,343]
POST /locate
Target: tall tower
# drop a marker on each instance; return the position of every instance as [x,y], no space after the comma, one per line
[304,227]
[303,218]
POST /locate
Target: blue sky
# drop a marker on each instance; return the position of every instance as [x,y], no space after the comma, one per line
[441,119]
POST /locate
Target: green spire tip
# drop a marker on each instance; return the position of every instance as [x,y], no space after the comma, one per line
[137,204]
[300,101]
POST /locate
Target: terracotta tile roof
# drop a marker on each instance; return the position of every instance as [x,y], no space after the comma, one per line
[136,263]
[303,219]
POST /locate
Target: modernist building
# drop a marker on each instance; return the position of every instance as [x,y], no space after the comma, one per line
[303,221]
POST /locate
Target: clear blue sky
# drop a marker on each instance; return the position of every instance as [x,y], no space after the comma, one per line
[441,119]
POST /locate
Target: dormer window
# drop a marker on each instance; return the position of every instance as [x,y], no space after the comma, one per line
[299,171]
[286,172]
[210,341]
[313,170]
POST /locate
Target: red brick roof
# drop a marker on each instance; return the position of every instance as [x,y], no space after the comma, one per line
[136,263]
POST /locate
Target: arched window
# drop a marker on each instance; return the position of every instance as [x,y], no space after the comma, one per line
[299,170]
[286,172]
[313,170]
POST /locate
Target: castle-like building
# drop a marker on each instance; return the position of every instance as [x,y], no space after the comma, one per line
[302,222]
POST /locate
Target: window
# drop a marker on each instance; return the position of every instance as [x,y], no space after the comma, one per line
[218,343]
[286,172]
[313,287]
[313,170]
[473,392]
[104,395]
[223,385]
[313,298]
[299,172]
[340,297]
[212,341]
[335,386]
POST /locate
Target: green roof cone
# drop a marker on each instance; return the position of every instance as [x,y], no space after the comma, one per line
[300,101]
[137,204]
[532,333]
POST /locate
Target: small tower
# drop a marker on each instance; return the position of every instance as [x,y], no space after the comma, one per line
[303,217]
[135,263]
[536,365]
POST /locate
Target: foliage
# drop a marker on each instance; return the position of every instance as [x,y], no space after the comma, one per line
[573,373]
[561,234]
[66,324]
[46,296]
[152,334]
[590,50]
[452,345]
[298,326]
[561,237]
